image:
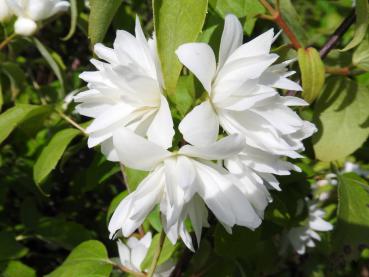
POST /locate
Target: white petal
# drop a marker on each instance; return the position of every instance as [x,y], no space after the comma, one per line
[105,53]
[161,130]
[219,150]
[256,47]
[107,148]
[124,255]
[199,58]
[200,126]
[136,152]
[231,38]
[320,224]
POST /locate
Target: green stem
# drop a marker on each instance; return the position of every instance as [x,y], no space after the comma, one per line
[7,41]
[157,255]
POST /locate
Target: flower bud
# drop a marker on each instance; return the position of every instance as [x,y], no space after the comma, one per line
[25,27]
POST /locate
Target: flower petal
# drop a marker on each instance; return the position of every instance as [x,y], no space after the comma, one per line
[219,150]
[161,130]
[136,152]
[231,38]
[199,58]
[200,126]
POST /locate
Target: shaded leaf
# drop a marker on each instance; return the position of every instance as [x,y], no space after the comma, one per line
[52,153]
[361,25]
[10,248]
[65,234]
[52,63]
[361,55]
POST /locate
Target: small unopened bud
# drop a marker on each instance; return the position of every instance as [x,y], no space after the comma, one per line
[25,27]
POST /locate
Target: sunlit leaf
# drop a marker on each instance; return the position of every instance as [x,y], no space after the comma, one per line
[176,22]
[18,269]
[12,117]
[52,153]
[89,259]
[102,13]
[342,117]
[353,212]
[166,252]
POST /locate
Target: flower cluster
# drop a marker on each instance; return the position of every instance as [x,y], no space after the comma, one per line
[133,253]
[29,12]
[305,236]
[233,143]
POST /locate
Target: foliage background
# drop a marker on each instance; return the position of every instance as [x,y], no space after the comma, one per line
[46,213]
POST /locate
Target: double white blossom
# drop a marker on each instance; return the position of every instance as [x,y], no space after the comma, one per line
[305,236]
[181,183]
[29,12]
[133,124]
[133,253]
[242,99]
[126,92]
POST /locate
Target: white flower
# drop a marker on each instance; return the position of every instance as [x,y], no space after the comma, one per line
[126,91]
[242,94]
[181,183]
[304,236]
[132,254]
[5,12]
[31,11]
[242,99]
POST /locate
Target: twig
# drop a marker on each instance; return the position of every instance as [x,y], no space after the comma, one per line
[157,255]
[72,122]
[338,33]
[6,41]
[345,71]
[333,40]
[277,18]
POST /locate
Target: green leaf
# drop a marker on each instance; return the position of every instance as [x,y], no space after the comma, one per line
[52,63]
[66,234]
[134,177]
[89,259]
[312,73]
[293,20]
[102,13]
[341,116]
[12,117]
[166,252]
[52,153]
[73,19]
[361,55]
[18,269]
[361,26]
[353,211]
[16,76]
[99,171]
[185,97]
[10,248]
[176,22]
[247,9]
[1,95]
